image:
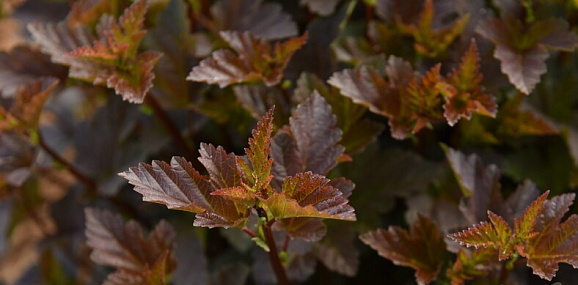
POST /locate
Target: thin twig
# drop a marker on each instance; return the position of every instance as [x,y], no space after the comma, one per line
[160,113]
[249,232]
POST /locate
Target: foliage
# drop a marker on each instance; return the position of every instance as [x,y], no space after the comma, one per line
[256,120]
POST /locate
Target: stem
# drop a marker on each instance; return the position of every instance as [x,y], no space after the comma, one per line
[87,181]
[191,153]
[286,243]
[274,257]
[33,214]
[250,232]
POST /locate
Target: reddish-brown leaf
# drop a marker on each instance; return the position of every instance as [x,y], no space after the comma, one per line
[555,242]
[429,41]
[311,142]
[180,186]
[423,249]
[253,60]
[522,47]
[111,58]
[138,259]
[462,91]
[265,20]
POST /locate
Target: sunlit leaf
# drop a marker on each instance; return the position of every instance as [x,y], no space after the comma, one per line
[138,258]
[254,60]
[422,249]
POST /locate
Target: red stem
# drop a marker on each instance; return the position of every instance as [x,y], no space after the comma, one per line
[250,232]
[274,257]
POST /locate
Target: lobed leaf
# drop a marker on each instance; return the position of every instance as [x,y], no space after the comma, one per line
[112,59]
[429,41]
[523,48]
[555,242]
[423,249]
[253,60]
[308,195]
[262,19]
[179,186]
[311,141]
[259,173]
[462,91]
[137,258]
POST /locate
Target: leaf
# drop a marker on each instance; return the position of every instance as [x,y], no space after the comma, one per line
[408,101]
[258,175]
[430,42]
[307,229]
[222,167]
[523,48]
[321,7]
[477,181]
[24,65]
[179,186]
[253,60]
[308,195]
[311,142]
[113,59]
[422,249]
[518,119]
[358,130]
[28,104]
[337,251]
[500,236]
[462,91]
[555,242]
[264,20]
[138,258]
[470,266]
[257,99]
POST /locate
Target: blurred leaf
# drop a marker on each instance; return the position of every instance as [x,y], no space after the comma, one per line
[308,195]
[423,249]
[518,119]
[471,265]
[138,259]
[430,42]
[253,60]
[113,59]
[264,20]
[523,48]
[257,99]
[463,93]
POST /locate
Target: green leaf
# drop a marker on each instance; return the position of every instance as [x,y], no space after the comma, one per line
[423,249]
[308,195]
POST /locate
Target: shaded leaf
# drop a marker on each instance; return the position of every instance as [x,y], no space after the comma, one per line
[429,41]
[321,7]
[264,20]
[469,266]
[23,65]
[308,229]
[24,112]
[422,249]
[258,175]
[523,48]
[308,195]
[138,258]
[253,60]
[518,119]
[257,99]
[358,130]
[555,242]
[337,251]
[463,93]
[112,59]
